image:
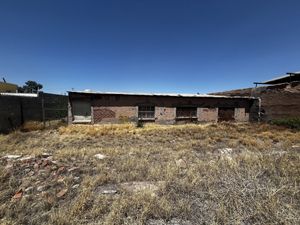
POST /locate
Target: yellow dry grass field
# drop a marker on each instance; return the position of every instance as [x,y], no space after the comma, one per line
[222,173]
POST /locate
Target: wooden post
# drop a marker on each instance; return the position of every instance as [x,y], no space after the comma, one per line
[43,111]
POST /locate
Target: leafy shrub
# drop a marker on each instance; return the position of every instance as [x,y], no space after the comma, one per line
[293,123]
[139,124]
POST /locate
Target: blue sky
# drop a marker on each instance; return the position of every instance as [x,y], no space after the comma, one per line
[148,46]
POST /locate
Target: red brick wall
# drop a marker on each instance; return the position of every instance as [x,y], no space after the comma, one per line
[103,113]
[114,114]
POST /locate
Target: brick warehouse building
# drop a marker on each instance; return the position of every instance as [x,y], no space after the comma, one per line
[109,107]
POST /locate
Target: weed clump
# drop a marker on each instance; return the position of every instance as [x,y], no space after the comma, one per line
[139,124]
[293,123]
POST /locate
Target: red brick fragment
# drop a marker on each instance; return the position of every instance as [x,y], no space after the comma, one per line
[62,193]
[18,194]
[60,170]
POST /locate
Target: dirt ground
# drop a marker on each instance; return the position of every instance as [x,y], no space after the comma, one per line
[156,175]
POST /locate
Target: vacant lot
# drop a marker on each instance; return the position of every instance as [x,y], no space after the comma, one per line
[120,174]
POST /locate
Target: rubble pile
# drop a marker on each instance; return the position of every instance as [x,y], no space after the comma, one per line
[42,177]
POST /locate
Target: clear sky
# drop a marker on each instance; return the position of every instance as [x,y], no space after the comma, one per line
[148,46]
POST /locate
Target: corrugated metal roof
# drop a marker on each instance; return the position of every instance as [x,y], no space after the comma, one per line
[283,77]
[159,94]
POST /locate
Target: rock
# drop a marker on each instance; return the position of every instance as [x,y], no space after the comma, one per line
[179,222]
[75,186]
[76,178]
[100,156]
[107,189]
[41,188]
[62,193]
[50,199]
[225,150]
[109,192]
[171,222]
[46,154]
[9,166]
[29,189]
[155,222]
[181,163]
[8,157]
[45,163]
[26,159]
[73,169]
[31,173]
[60,170]
[60,179]
[140,186]
[36,166]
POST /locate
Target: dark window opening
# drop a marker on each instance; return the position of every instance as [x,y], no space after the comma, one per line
[226,114]
[186,112]
[146,112]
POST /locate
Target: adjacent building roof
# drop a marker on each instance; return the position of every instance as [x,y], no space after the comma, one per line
[8,87]
[157,94]
[289,77]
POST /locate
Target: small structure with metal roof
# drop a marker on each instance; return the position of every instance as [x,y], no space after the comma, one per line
[288,78]
[114,107]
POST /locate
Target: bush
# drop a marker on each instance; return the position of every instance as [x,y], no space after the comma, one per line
[293,123]
[139,124]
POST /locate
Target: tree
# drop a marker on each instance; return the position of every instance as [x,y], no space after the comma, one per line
[30,87]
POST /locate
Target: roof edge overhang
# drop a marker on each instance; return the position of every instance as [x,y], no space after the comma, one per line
[160,95]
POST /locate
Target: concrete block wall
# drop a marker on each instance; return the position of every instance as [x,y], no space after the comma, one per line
[16,110]
[207,114]
[165,115]
[10,113]
[240,115]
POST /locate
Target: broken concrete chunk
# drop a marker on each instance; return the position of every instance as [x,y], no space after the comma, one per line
[181,163]
[107,189]
[76,178]
[100,156]
[225,150]
[26,158]
[46,154]
[109,192]
[75,186]
[11,157]
[140,186]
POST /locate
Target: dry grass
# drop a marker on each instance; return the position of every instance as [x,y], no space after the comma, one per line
[257,182]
